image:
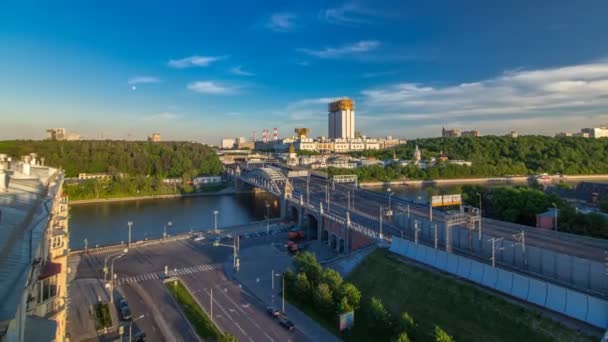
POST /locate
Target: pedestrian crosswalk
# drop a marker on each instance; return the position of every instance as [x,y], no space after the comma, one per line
[174,272]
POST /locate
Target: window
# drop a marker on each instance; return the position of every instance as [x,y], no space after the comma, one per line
[48,289]
[57,242]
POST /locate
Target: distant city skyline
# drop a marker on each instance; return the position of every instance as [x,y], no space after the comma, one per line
[202,71]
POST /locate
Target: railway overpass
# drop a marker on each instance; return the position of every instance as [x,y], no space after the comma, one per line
[347,217]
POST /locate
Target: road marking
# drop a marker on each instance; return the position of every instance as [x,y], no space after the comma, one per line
[175,272]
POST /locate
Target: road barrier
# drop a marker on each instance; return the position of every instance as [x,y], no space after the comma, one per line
[565,301]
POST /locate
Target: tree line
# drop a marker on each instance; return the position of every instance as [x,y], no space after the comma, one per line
[332,296]
[137,168]
[521,204]
[494,156]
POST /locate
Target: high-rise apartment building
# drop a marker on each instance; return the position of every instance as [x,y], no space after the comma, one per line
[341,119]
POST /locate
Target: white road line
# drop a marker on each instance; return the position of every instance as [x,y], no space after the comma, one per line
[207,267]
[192,269]
[246,315]
[230,317]
[200,268]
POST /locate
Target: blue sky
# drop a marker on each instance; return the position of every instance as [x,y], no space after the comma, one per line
[199,70]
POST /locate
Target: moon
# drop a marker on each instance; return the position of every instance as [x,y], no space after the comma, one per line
[133,88]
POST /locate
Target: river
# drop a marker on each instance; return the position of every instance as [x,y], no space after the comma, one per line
[106,223]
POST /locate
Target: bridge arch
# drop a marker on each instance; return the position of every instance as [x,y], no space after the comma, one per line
[269,179]
[325,236]
[293,214]
[311,226]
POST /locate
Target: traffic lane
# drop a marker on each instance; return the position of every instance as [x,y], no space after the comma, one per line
[163,320]
[236,311]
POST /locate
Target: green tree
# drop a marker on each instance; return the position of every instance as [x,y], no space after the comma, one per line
[403,337]
[302,286]
[379,317]
[442,336]
[333,279]
[343,306]
[307,263]
[352,294]
[323,298]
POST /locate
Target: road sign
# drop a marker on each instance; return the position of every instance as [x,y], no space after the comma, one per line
[446,200]
[347,320]
[298,173]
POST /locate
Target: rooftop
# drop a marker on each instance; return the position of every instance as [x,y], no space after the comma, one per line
[24,214]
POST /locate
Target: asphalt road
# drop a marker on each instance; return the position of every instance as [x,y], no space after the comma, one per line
[201,268]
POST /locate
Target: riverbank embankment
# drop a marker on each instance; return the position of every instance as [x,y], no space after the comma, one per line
[228,191]
[488,180]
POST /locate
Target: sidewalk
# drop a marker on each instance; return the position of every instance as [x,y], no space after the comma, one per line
[257,264]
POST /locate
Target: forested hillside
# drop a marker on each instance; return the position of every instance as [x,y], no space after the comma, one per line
[162,159]
[501,156]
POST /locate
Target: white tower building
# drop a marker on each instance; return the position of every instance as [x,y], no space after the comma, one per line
[341,119]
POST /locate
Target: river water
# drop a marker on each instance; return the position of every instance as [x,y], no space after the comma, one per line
[106,223]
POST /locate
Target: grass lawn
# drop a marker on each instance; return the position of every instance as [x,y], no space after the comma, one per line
[461,309]
[197,317]
[103,319]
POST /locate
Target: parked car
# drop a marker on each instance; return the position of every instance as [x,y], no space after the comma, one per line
[125,313]
[199,237]
[273,312]
[287,324]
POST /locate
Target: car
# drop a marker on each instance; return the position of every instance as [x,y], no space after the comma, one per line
[287,324]
[139,337]
[199,238]
[228,236]
[125,313]
[273,312]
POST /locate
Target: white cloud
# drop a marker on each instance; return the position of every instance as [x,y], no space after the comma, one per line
[350,14]
[238,70]
[143,80]
[281,22]
[379,73]
[164,116]
[357,48]
[194,61]
[210,87]
[548,93]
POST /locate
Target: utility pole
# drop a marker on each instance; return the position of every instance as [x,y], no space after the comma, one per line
[448,238]
[479,212]
[494,243]
[283,280]
[380,222]
[521,238]
[308,189]
[555,212]
[86,245]
[416,231]
[408,210]
[348,199]
[436,239]
[431,211]
[211,305]
[215,212]
[267,218]
[130,224]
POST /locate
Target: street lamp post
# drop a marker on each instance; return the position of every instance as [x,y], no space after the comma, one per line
[165,229]
[112,276]
[380,223]
[130,224]
[267,218]
[131,327]
[479,233]
[215,212]
[389,212]
[555,214]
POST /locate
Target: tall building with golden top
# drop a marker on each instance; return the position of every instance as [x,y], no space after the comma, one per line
[341,119]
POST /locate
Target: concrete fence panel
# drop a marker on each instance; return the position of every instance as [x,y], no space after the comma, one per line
[521,286]
[556,298]
[576,304]
[431,257]
[597,312]
[464,267]
[535,260]
[452,264]
[564,267]
[476,274]
[581,272]
[548,260]
[421,252]
[442,260]
[490,276]
[505,281]
[538,292]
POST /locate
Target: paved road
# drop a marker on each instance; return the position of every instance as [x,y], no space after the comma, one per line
[201,267]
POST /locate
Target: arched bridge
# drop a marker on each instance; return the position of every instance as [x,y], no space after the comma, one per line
[269,179]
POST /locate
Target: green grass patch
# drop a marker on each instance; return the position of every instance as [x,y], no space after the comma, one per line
[198,318]
[307,307]
[466,312]
[103,319]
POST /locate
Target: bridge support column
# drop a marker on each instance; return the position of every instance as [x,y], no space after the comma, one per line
[320,228]
[283,208]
